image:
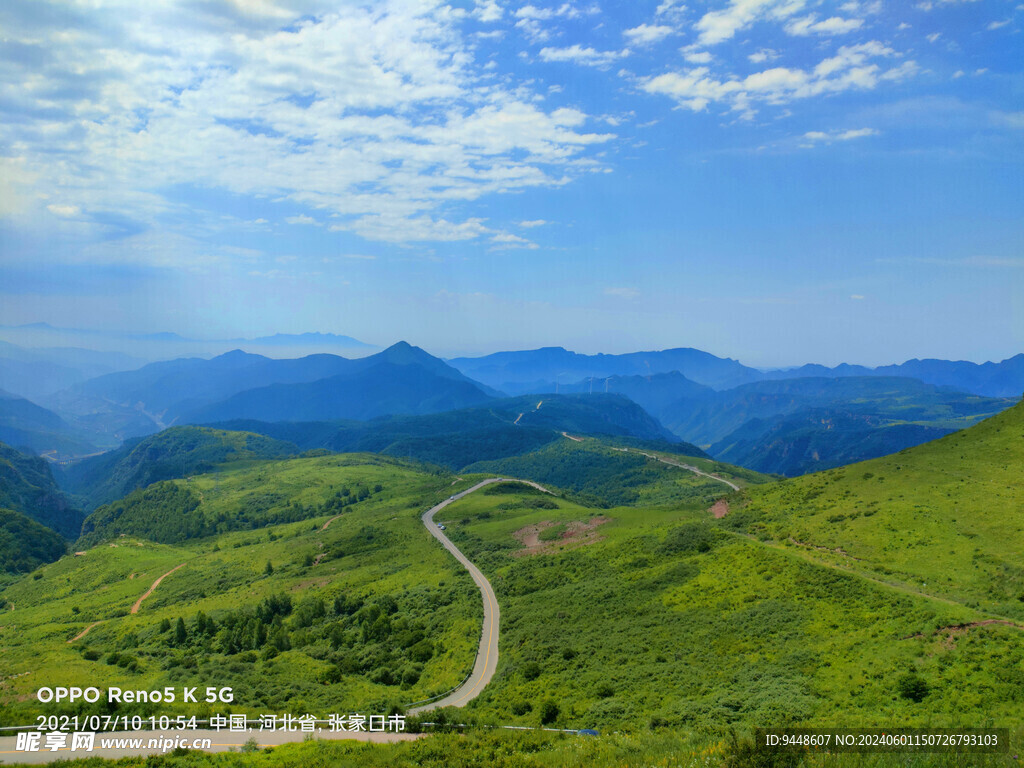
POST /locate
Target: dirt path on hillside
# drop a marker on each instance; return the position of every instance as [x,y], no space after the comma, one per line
[138,603]
[85,631]
[575,439]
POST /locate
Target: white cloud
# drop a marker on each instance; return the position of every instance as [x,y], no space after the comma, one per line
[645,34]
[488,11]
[856,133]
[64,211]
[506,240]
[998,25]
[933,37]
[809,25]
[532,223]
[377,116]
[929,5]
[587,57]
[852,68]
[303,219]
[698,57]
[723,24]
[530,18]
[762,55]
[857,296]
[670,9]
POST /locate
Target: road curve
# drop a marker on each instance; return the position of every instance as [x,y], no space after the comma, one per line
[487,654]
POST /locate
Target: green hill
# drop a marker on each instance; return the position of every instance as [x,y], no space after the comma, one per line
[359,616]
[25,544]
[944,518]
[27,486]
[173,453]
[606,473]
[263,494]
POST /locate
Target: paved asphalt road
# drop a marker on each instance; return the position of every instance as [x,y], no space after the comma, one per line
[487,654]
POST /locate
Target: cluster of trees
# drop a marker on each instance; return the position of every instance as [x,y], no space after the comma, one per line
[375,638]
[170,513]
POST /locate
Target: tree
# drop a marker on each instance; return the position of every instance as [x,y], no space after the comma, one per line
[180,633]
[269,570]
[548,712]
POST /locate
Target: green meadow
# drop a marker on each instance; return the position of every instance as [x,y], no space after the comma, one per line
[362,597]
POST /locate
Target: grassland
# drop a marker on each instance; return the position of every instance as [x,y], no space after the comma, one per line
[669,621]
[374,558]
[945,518]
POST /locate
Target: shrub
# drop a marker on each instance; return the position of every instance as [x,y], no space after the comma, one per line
[910,686]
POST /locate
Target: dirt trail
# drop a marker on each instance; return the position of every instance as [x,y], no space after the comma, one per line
[575,439]
[138,603]
[85,631]
[324,526]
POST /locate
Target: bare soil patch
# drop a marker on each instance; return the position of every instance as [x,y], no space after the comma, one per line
[578,533]
[720,509]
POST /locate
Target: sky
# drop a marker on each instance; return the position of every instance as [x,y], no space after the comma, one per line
[777,181]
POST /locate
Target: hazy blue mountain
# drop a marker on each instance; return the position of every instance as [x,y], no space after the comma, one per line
[27,486]
[25,425]
[654,393]
[161,394]
[307,339]
[539,370]
[368,391]
[709,418]
[170,454]
[504,427]
[817,439]
[33,373]
[1002,379]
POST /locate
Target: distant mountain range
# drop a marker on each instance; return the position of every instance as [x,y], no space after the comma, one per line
[546,369]
[549,368]
[807,418]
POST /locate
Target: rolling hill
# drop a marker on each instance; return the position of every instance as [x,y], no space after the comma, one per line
[174,453]
[943,518]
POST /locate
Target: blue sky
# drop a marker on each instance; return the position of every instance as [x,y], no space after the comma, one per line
[780,181]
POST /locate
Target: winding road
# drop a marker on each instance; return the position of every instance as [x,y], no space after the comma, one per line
[487,654]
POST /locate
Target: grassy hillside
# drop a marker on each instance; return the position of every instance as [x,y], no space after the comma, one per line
[656,617]
[606,474]
[257,496]
[366,613]
[27,486]
[174,453]
[944,517]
